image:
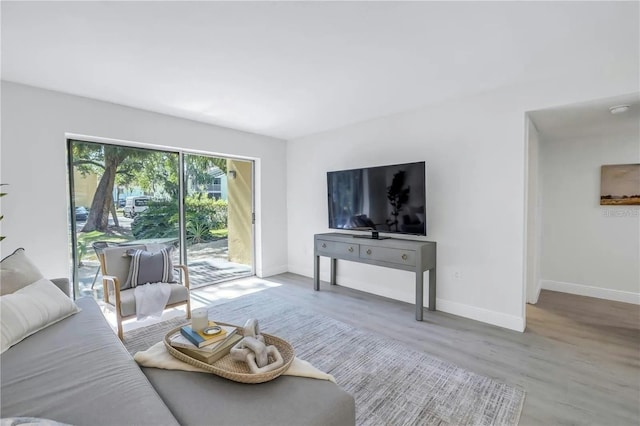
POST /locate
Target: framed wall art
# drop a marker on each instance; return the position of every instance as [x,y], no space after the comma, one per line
[620,185]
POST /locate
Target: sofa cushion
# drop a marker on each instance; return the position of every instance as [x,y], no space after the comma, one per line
[78,372]
[150,267]
[179,293]
[31,309]
[287,400]
[16,272]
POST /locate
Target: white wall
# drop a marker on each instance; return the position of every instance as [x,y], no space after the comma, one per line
[587,248]
[475,155]
[533,214]
[33,151]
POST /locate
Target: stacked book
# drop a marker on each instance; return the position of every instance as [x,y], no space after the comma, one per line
[203,347]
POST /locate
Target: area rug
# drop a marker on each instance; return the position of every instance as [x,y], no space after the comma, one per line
[392,383]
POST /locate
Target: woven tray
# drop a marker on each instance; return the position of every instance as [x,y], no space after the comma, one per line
[236,370]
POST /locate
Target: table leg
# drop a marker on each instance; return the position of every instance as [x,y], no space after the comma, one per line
[316,273]
[432,289]
[419,292]
[334,264]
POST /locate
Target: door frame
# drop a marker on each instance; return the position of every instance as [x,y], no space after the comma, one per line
[69,137]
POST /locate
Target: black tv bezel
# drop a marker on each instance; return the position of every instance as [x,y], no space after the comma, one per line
[375,233]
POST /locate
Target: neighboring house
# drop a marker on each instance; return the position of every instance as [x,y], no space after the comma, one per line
[85,187]
[216,189]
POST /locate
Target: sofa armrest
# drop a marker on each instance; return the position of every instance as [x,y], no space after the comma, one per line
[62,284]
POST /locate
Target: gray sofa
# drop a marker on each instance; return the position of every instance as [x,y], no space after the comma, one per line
[78,372]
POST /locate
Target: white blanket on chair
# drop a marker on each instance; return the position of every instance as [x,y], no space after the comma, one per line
[151,299]
[157,356]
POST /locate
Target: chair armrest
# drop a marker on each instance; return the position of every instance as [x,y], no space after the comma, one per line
[185,273]
[106,279]
[62,284]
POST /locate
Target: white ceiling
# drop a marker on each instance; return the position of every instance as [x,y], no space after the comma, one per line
[589,119]
[289,69]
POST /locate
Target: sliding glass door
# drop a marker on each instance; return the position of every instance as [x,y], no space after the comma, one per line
[123,195]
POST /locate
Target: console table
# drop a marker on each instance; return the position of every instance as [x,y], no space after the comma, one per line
[407,255]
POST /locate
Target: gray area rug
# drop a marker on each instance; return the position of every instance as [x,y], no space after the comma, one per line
[392,383]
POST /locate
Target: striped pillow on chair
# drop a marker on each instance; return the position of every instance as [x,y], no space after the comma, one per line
[150,267]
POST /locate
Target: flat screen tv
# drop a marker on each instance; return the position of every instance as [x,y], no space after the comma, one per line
[388,199]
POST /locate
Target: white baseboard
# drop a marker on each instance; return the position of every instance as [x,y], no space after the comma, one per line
[301,270]
[598,292]
[273,270]
[480,314]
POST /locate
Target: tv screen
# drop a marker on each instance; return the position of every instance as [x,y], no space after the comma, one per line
[384,199]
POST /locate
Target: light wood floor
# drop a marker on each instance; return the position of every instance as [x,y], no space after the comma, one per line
[578,360]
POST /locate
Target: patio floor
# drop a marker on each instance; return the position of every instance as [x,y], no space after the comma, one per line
[208,265]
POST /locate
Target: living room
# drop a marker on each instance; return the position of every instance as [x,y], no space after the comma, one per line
[390,83]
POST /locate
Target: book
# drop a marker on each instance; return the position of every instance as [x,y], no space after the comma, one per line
[177,340]
[210,357]
[200,339]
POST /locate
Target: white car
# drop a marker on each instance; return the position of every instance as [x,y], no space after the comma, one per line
[135,205]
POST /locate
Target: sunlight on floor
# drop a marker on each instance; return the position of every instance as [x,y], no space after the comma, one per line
[203,296]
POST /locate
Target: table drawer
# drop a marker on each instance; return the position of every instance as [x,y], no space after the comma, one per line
[336,249]
[390,255]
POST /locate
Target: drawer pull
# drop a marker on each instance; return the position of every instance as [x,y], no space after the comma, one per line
[369,251]
[350,249]
[405,257]
[324,245]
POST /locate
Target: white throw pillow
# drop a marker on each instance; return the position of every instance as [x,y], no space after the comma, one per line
[31,309]
[16,272]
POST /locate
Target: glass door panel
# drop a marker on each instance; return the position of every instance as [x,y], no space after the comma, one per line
[119,195]
[218,218]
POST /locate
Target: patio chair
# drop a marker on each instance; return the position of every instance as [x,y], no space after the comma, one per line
[118,295]
[98,247]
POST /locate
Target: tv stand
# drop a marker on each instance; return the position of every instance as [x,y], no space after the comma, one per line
[407,255]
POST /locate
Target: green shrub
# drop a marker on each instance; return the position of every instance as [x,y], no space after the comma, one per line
[198,230]
[161,219]
[214,212]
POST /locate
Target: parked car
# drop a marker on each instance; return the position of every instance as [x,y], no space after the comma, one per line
[81,214]
[135,205]
[121,202]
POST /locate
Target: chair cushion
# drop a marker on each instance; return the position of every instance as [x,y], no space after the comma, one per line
[116,262]
[16,272]
[150,267]
[179,293]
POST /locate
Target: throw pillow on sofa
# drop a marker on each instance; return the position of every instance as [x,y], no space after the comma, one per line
[30,310]
[16,272]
